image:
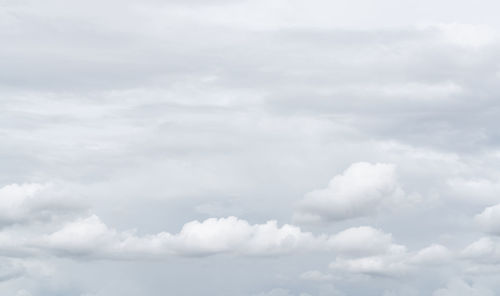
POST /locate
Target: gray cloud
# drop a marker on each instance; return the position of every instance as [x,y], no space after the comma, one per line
[134,133]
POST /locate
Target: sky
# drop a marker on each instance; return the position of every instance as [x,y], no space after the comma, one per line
[249,148]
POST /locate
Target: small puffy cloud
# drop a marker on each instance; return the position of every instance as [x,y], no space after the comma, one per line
[392,263]
[365,250]
[21,203]
[489,219]
[459,287]
[359,191]
[390,260]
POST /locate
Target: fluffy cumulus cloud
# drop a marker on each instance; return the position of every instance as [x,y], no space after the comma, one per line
[358,249]
[91,237]
[22,203]
[392,261]
[368,251]
[359,191]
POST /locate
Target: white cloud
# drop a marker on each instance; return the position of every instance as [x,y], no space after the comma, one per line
[432,255]
[90,237]
[484,250]
[365,250]
[392,263]
[20,203]
[393,260]
[362,240]
[476,190]
[468,35]
[153,132]
[234,235]
[489,219]
[359,191]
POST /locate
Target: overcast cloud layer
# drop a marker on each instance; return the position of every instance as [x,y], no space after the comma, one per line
[249,148]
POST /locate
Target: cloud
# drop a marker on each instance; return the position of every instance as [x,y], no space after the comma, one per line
[90,237]
[475,190]
[280,292]
[485,250]
[23,203]
[435,254]
[11,269]
[361,240]
[275,292]
[468,35]
[365,250]
[316,276]
[459,287]
[361,190]
[164,112]
[391,260]
[489,219]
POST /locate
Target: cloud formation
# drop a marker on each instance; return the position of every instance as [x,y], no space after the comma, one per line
[489,219]
[359,191]
[145,145]
[90,237]
[24,203]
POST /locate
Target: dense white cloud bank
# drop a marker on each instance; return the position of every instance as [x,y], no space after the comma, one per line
[90,237]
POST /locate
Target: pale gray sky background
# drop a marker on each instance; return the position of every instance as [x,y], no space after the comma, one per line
[249,148]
